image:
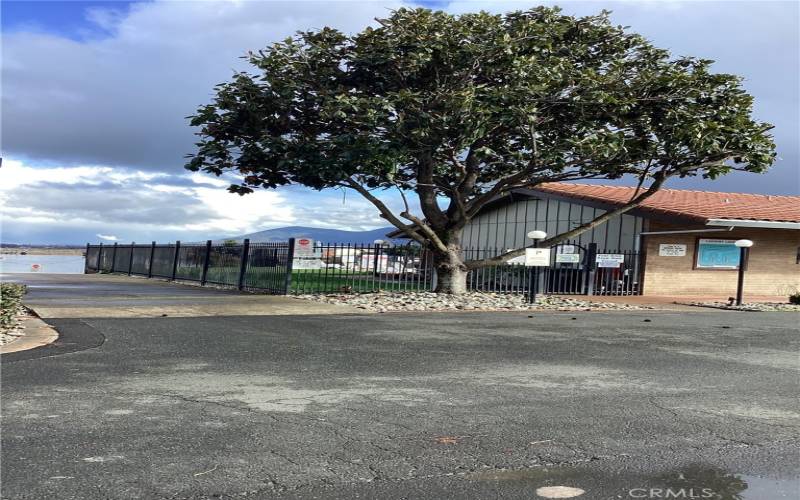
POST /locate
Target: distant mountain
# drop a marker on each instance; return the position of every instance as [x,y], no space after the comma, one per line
[316,234]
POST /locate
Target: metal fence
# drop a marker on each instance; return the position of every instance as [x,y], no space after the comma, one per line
[574,269]
[264,267]
[361,268]
[311,267]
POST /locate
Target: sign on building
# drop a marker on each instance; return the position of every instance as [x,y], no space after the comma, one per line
[717,254]
[671,250]
[304,247]
[537,257]
[609,259]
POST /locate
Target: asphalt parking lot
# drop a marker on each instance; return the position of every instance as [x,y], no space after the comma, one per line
[469,405]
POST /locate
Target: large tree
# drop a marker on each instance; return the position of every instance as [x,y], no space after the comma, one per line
[460,110]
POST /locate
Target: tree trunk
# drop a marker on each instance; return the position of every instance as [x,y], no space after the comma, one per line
[451,273]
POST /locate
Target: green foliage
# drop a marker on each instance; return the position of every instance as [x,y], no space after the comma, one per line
[534,92]
[10,303]
[795,298]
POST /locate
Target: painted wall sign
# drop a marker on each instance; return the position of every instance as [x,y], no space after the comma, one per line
[537,257]
[304,247]
[717,254]
[568,258]
[671,250]
[609,259]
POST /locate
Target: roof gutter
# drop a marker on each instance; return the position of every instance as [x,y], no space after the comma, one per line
[766,224]
[681,231]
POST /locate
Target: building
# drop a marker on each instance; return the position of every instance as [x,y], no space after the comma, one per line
[678,242]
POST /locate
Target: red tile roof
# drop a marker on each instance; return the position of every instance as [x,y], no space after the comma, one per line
[696,205]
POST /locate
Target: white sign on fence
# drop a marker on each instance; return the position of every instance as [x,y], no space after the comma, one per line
[671,250]
[304,247]
[568,258]
[567,249]
[609,259]
[537,257]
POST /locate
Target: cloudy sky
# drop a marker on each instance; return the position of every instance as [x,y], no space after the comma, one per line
[94,96]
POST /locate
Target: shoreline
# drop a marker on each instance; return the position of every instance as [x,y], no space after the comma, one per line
[42,251]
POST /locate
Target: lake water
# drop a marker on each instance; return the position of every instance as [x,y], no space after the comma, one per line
[46,263]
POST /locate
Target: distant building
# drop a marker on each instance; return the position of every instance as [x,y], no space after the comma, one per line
[683,240]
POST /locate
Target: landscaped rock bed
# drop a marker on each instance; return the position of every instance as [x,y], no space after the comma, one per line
[11,311]
[475,301]
[756,306]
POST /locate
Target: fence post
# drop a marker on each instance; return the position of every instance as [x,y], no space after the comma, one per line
[99,258]
[150,265]
[591,257]
[114,258]
[205,263]
[243,260]
[175,259]
[287,285]
[377,250]
[86,261]
[130,261]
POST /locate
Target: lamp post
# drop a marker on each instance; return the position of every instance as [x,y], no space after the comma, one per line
[536,236]
[744,254]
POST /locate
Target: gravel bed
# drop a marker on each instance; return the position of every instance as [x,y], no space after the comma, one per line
[755,306]
[475,301]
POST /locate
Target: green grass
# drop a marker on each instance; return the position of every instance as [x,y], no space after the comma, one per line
[304,280]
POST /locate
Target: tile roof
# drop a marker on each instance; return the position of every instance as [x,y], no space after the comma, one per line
[696,205]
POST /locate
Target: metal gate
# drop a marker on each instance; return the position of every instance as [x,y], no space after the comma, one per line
[570,266]
[574,269]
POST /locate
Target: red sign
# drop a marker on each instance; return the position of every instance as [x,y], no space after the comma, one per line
[304,247]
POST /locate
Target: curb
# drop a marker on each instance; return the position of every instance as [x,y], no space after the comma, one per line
[37,334]
[73,336]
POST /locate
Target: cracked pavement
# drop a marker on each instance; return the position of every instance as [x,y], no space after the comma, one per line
[468,405]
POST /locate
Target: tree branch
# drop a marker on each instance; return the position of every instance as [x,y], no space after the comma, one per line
[659,179]
[385,212]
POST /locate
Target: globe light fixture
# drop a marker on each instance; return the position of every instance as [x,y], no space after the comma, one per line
[537,235]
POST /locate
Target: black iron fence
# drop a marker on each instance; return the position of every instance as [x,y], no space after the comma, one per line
[346,267]
[303,266]
[264,267]
[574,269]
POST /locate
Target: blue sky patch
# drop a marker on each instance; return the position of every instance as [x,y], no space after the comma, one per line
[70,19]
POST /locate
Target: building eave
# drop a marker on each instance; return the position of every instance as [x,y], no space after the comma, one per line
[765,224]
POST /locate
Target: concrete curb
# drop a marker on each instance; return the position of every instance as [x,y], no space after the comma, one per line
[37,334]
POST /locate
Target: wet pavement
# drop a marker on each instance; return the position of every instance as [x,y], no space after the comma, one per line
[470,405]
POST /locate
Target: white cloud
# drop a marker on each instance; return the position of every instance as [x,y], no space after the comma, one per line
[122,100]
[107,237]
[106,202]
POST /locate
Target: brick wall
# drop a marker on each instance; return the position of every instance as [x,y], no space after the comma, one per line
[772,269]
